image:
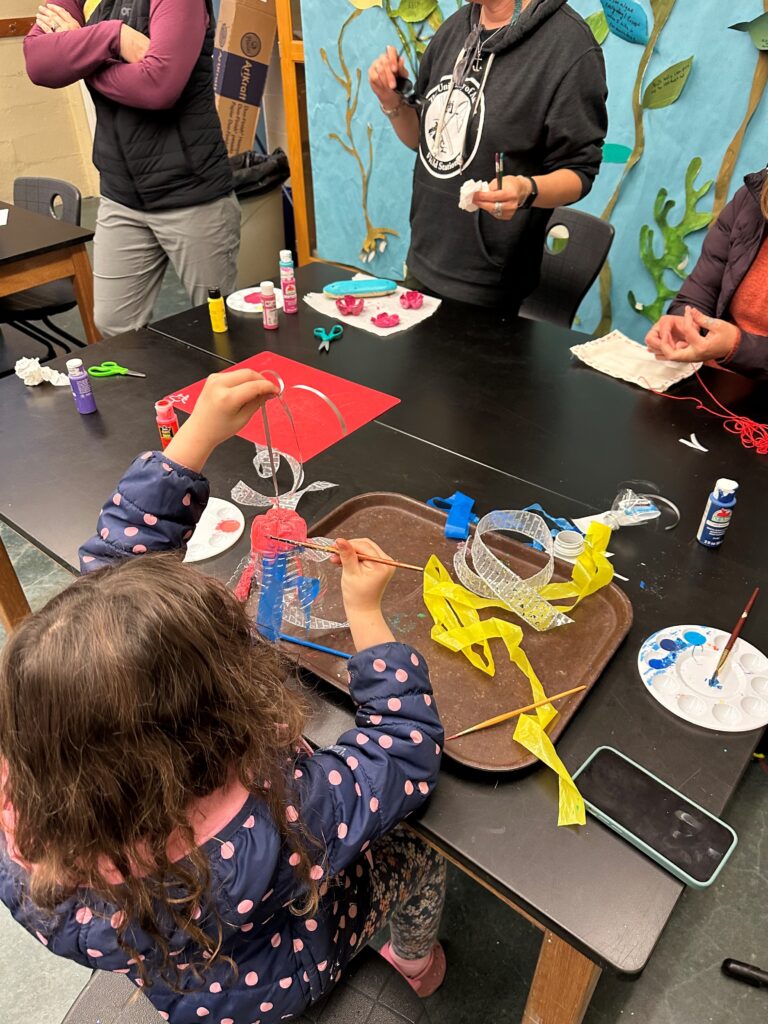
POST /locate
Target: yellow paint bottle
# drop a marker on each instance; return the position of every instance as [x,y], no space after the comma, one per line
[217,311]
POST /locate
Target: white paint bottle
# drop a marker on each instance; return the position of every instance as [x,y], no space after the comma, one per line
[268,306]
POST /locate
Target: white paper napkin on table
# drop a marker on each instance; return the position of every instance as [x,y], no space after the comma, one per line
[321,303]
[3,218]
[618,356]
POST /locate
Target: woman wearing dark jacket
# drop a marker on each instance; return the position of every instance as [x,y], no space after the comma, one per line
[721,312]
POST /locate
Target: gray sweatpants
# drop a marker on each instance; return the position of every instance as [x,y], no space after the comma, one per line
[132,248]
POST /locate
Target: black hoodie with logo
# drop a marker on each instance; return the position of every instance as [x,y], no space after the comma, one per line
[537,93]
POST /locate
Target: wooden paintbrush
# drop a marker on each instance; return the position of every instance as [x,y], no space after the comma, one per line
[335,551]
[511,714]
[734,636]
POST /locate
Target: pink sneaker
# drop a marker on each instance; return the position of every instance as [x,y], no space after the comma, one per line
[427,980]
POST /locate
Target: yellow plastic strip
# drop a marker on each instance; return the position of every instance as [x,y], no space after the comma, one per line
[89,7]
[458,627]
[591,572]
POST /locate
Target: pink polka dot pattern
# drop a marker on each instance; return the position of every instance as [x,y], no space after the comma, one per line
[334,778]
[139,549]
[276,940]
[197,914]
[215,987]
[423,788]
[437,750]
[84,915]
[385,742]
[227,851]
[401,675]
[414,661]
[375,719]
[139,982]
[361,739]
[285,982]
[146,455]
[343,830]
[305,976]
[298,945]
[246,927]
[186,500]
[374,804]
[167,468]
[104,533]
[416,736]
[353,939]
[379,665]
[316,873]
[311,925]
[149,519]
[41,938]
[251,979]
[227,1020]
[294,859]
[188,534]
[131,531]
[265,1007]
[88,558]
[94,953]
[298,774]
[322,965]
[117,919]
[408,787]
[357,789]
[352,762]
[117,498]
[352,910]
[244,906]
[164,1015]
[291,813]
[202,1012]
[394,704]
[249,822]
[427,700]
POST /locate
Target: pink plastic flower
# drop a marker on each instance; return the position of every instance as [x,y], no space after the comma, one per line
[385,320]
[350,306]
[411,300]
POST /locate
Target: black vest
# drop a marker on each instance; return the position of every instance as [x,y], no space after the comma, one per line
[161,159]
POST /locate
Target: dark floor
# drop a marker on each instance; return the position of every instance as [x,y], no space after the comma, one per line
[491,951]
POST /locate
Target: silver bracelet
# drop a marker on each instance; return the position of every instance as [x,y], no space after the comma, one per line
[393,112]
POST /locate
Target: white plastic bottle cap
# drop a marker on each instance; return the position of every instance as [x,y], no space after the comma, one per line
[568,544]
[267,288]
[286,256]
[723,486]
[74,364]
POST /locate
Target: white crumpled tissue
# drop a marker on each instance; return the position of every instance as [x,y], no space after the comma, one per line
[468,189]
[618,356]
[32,373]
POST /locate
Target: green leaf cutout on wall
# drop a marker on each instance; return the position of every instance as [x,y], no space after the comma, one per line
[615,153]
[364,5]
[599,25]
[666,87]
[435,19]
[757,28]
[413,12]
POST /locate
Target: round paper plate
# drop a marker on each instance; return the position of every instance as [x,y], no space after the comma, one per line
[676,665]
[220,526]
[248,300]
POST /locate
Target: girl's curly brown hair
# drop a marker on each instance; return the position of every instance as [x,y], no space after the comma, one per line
[133,693]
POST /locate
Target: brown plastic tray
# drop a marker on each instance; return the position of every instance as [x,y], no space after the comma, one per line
[568,656]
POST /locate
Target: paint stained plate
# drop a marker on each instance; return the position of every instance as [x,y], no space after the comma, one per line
[676,665]
[220,526]
[248,300]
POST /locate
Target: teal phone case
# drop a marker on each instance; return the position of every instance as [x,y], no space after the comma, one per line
[648,850]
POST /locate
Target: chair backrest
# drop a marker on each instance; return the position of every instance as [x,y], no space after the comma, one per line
[572,260]
[40,194]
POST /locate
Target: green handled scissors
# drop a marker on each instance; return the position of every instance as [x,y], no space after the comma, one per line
[326,337]
[111,369]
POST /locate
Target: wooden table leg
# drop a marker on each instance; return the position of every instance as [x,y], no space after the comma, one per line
[562,985]
[13,603]
[83,286]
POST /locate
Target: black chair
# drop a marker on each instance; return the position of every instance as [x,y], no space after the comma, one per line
[572,260]
[371,992]
[26,310]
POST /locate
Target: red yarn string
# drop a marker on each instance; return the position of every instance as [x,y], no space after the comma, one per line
[751,434]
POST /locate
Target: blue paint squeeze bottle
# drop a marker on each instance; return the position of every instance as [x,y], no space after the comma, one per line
[718,513]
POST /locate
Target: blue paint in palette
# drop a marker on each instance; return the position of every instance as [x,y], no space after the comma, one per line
[675,647]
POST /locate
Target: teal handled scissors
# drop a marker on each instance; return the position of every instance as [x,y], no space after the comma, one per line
[111,369]
[326,337]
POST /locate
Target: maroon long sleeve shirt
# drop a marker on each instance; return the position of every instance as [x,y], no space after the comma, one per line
[176,30]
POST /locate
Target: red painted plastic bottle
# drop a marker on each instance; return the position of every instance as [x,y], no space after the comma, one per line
[167,421]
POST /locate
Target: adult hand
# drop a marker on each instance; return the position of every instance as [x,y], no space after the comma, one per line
[382,77]
[503,203]
[362,586]
[680,338]
[133,45]
[226,403]
[52,18]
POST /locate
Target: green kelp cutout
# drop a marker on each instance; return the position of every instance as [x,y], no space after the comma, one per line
[757,28]
[598,23]
[676,253]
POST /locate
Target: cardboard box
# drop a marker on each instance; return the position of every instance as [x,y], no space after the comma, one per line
[245,36]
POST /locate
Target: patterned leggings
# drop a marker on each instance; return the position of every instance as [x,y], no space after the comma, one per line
[407,886]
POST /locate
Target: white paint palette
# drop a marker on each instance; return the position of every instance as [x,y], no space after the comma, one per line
[248,300]
[220,526]
[676,665]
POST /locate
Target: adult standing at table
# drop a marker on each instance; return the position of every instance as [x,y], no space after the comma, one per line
[166,185]
[522,77]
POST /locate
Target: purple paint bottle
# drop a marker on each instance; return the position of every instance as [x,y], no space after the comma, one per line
[80,383]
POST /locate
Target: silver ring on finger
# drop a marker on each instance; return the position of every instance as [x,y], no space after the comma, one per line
[498,211]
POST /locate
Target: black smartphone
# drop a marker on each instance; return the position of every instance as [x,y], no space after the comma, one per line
[678,834]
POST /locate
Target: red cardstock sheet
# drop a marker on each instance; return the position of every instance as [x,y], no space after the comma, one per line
[317,426]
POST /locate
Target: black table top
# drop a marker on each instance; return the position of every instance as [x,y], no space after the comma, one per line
[586,884]
[30,234]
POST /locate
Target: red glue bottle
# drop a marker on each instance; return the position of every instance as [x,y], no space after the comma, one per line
[167,421]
